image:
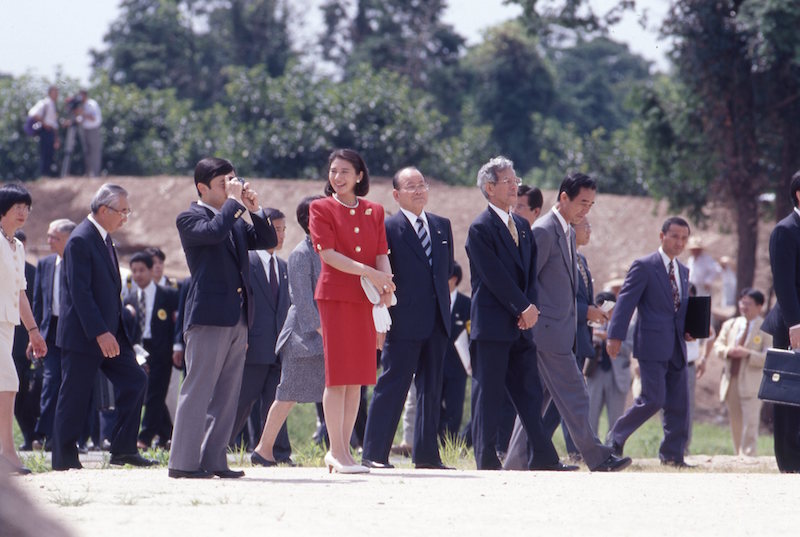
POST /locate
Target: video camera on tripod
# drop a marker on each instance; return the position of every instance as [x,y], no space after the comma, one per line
[73,106]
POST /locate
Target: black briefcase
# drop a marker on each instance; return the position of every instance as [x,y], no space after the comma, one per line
[781,381]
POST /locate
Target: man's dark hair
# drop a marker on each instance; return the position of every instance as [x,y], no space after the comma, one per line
[755,294]
[398,173]
[302,211]
[142,257]
[361,188]
[12,194]
[208,168]
[794,187]
[573,183]
[533,196]
[674,220]
[274,214]
[457,272]
[155,251]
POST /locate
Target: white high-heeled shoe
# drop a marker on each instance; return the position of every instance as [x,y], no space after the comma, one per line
[340,468]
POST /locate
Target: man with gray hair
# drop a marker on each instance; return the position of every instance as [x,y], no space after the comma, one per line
[92,337]
[502,261]
[46,300]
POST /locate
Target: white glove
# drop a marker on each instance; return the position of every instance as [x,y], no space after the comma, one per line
[382,319]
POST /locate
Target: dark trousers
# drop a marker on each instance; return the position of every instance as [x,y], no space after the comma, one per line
[156,420]
[505,425]
[664,386]
[47,140]
[403,361]
[501,367]
[26,402]
[51,382]
[454,388]
[79,370]
[786,431]
[259,382]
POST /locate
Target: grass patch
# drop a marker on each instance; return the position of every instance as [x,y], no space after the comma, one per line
[65,499]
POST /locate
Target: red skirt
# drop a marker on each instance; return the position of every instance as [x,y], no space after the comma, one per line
[348,337]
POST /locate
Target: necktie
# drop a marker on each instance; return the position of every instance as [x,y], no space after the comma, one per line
[676,296]
[736,363]
[582,270]
[110,247]
[141,311]
[513,230]
[273,278]
[424,239]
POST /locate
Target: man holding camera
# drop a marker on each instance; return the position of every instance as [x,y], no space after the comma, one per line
[90,119]
[218,312]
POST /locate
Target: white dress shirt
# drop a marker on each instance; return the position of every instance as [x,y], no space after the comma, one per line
[149,299]
[413,219]
[566,227]
[666,260]
[56,287]
[265,256]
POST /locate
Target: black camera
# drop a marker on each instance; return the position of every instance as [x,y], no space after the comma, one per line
[73,103]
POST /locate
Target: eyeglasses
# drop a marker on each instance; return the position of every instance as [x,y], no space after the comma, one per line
[124,212]
[516,181]
[416,188]
[22,207]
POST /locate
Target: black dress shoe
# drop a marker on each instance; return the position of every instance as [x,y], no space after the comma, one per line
[616,449]
[428,466]
[134,459]
[375,464]
[229,474]
[613,464]
[681,465]
[557,467]
[189,474]
[258,460]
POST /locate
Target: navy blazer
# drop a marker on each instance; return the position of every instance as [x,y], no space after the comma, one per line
[162,322]
[269,314]
[43,292]
[647,288]
[503,277]
[422,290]
[216,249]
[784,258]
[583,299]
[90,292]
[459,322]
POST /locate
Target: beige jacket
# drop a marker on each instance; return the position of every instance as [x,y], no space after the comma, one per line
[751,369]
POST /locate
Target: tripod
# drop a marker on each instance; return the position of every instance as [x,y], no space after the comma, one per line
[69,148]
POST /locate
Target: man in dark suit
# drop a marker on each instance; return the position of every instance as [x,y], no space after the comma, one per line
[657,286]
[454,377]
[783,322]
[502,259]
[219,309]
[26,402]
[46,303]
[91,335]
[421,254]
[262,370]
[154,308]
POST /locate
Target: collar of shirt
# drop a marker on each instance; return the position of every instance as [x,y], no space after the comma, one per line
[265,256]
[101,229]
[564,223]
[214,210]
[413,219]
[149,293]
[665,259]
[453,295]
[797,210]
[504,215]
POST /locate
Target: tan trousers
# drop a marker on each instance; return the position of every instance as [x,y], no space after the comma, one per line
[744,413]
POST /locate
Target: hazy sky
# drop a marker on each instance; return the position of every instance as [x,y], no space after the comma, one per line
[41,36]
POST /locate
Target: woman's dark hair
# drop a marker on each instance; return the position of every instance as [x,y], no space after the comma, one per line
[208,168]
[12,194]
[302,211]
[359,165]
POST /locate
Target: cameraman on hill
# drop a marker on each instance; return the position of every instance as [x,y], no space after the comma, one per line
[90,118]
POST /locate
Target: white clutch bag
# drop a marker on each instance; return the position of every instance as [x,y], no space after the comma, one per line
[380,314]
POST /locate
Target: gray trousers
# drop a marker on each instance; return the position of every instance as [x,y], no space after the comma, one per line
[564,382]
[209,397]
[92,141]
[603,391]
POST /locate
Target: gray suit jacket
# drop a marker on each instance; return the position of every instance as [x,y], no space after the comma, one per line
[299,337]
[557,285]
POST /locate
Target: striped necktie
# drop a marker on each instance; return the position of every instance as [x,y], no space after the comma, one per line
[676,296]
[424,239]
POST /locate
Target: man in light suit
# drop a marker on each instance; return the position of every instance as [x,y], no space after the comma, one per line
[46,301]
[154,308]
[219,309]
[743,348]
[92,336]
[783,322]
[262,369]
[557,279]
[421,255]
[657,286]
[502,259]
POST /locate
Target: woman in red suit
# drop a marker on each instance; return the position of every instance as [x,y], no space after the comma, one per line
[349,235]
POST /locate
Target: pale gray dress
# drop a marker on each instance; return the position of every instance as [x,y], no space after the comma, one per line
[299,344]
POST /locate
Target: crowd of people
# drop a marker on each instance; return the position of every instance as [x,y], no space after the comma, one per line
[253,335]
